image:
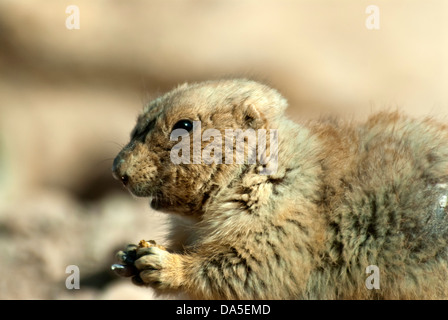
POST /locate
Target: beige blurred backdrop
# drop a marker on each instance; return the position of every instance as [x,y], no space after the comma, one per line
[69,99]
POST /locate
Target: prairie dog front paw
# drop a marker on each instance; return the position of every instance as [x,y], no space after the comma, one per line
[158,268]
[127,258]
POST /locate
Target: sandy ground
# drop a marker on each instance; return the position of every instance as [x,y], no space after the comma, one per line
[69,99]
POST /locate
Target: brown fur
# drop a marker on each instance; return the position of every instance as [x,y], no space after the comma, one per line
[345,196]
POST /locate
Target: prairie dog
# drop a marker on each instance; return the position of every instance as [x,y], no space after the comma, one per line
[343,196]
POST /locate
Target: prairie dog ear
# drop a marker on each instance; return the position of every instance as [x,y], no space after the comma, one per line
[263,105]
[251,117]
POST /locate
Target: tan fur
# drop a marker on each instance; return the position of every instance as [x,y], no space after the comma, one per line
[345,196]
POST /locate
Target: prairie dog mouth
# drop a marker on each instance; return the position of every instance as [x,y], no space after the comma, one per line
[140,191]
[156,201]
[160,203]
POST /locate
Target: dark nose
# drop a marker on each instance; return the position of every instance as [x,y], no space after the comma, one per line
[116,172]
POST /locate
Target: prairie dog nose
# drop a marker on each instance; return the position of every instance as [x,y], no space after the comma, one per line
[116,172]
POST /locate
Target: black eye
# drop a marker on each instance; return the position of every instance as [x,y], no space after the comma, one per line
[183,124]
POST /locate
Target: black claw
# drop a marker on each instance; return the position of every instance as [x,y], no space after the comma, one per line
[129,257]
[123,271]
[116,267]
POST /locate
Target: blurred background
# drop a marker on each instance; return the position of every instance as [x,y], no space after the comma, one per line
[69,99]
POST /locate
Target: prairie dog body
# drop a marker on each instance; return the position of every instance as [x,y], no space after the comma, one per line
[343,197]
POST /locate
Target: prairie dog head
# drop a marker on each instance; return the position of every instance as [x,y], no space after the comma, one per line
[173,153]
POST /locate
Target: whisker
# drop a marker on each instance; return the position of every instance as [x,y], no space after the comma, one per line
[100,162]
[120,145]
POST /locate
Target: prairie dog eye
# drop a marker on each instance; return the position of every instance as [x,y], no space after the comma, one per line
[183,124]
